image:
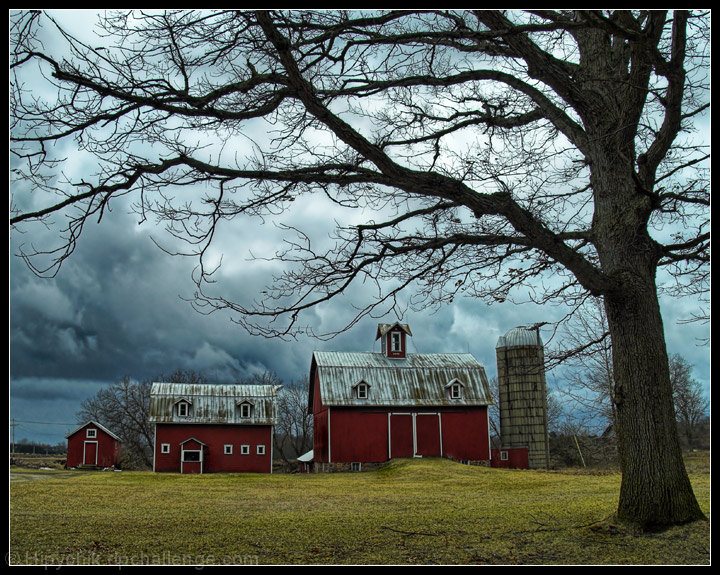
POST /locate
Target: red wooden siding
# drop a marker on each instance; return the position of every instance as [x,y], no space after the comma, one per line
[511,458]
[103,450]
[213,439]
[365,435]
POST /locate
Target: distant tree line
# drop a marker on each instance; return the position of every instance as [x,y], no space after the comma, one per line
[124,408]
[27,446]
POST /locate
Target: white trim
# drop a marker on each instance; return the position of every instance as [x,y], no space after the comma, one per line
[329,444]
[91,433]
[487,419]
[227,449]
[257,450]
[245,449]
[97,448]
[154,446]
[164,447]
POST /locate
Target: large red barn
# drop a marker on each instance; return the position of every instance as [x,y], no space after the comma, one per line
[203,428]
[92,445]
[371,407]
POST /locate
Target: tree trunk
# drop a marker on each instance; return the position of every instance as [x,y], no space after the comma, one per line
[655,491]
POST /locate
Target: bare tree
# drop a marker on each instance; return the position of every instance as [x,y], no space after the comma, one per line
[124,408]
[690,404]
[586,354]
[294,432]
[549,150]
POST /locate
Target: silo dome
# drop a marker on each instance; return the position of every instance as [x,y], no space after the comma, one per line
[520,337]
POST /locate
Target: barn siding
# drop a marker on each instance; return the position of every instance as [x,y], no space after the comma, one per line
[362,435]
[214,437]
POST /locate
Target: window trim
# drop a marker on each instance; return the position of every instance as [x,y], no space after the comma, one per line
[228,449]
[245,449]
[91,433]
[362,390]
[395,341]
[183,406]
[246,409]
[165,448]
[260,450]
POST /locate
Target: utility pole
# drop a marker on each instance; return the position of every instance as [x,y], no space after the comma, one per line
[13,425]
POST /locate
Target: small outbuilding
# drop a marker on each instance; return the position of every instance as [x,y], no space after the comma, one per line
[92,446]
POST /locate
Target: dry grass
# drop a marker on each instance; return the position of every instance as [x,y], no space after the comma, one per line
[428,511]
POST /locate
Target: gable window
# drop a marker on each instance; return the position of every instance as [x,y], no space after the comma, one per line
[227,449]
[183,409]
[395,341]
[246,409]
[362,390]
[455,389]
[91,433]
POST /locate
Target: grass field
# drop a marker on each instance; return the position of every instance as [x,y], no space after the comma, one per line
[428,511]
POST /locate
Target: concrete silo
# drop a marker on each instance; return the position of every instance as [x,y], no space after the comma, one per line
[522,394]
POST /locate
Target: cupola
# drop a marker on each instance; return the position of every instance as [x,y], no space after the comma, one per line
[393,340]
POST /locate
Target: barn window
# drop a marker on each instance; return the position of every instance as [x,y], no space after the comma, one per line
[261,450]
[164,448]
[356,466]
[91,433]
[246,409]
[454,389]
[504,456]
[227,449]
[183,409]
[395,341]
[362,390]
[244,450]
[192,455]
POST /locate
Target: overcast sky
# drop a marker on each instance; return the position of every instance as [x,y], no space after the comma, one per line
[116,309]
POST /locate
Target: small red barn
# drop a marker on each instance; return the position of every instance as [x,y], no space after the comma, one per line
[92,445]
[203,428]
[371,407]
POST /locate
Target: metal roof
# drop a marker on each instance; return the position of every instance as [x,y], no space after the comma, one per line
[415,380]
[520,336]
[96,424]
[383,328]
[213,403]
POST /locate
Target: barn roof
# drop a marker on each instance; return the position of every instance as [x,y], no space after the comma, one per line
[214,403]
[415,380]
[96,424]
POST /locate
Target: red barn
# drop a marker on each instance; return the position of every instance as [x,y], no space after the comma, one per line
[203,428]
[92,445]
[371,407]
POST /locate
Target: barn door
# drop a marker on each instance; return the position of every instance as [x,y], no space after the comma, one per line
[402,437]
[414,434]
[90,450]
[427,435]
